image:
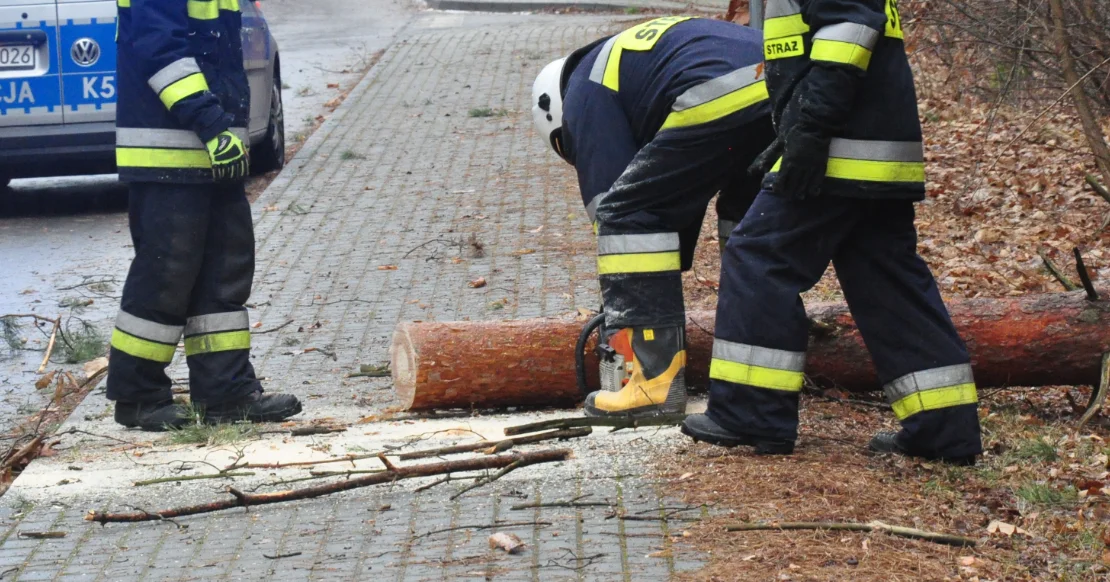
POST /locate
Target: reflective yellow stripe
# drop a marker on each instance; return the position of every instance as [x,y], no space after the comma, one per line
[141,348]
[840,52]
[870,170]
[935,399]
[893,20]
[784,26]
[718,108]
[760,377]
[639,263]
[218,342]
[162,158]
[179,90]
[641,37]
[202,9]
[123,3]
[229,5]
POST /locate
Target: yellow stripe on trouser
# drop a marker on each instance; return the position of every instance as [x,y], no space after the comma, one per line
[141,348]
[760,377]
[871,171]
[718,108]
[123,3]
[934,399]
[218,342]
[179,90]
[162,158]
[639,263]
[846,53]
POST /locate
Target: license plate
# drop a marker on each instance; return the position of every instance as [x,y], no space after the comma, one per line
[17,57]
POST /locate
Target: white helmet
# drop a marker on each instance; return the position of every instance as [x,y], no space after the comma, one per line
[547,104]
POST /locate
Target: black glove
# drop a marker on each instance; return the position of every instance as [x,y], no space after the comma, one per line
[804,160]
[764,161]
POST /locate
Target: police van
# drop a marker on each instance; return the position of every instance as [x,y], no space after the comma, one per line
[58,88]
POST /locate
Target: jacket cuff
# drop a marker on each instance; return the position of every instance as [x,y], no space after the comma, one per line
[219,123]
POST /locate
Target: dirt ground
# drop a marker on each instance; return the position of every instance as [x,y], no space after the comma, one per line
[999,196]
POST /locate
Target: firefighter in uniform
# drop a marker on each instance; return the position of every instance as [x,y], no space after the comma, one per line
[181,145]
[843,191]
[656,120]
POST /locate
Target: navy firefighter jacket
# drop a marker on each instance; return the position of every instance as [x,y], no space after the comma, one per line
[181,83]
[671,74]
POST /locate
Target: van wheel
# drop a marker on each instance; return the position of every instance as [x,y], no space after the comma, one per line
[269,154]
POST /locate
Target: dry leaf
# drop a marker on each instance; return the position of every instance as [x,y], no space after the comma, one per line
[685,476]
[967,560]
[94,367]
[477,283]
[333,85]
[256,324]
[45,380]
[537,229]
[510,543]
[524,252]
[387,267]
[1005,529]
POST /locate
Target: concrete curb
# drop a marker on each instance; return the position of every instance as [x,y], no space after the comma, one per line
[538,6]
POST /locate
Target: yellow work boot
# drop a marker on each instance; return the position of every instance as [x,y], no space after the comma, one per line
[655,365]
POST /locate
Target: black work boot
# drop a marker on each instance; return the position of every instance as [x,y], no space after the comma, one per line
[156,417]
[701,428]
[254,407]
[888,442]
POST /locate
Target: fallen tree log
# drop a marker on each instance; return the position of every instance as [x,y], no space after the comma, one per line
[1036,340]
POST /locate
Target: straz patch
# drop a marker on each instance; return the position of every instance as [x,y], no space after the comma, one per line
[781,48]
[893,20]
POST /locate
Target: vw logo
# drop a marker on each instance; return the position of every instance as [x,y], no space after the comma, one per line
[85,52]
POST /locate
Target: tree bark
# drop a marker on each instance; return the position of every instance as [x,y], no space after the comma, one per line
[1036,340]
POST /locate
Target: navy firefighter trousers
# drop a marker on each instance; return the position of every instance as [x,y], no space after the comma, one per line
[781,249]
[192,274]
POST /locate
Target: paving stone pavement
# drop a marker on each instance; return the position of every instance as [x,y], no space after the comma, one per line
[428,177]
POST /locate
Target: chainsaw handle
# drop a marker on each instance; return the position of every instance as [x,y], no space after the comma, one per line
[580,351]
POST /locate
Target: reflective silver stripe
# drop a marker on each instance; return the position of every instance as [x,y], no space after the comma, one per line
[779,8]
[148,330]
[849,32]
[878,151]
[217,322]
[597,73]
[181,139]
[725,228]
[627,244]
[928,380]
[718,87]
[757,356]
[173,73]
[591,208]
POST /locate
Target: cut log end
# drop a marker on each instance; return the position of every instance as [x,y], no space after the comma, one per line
[402,356]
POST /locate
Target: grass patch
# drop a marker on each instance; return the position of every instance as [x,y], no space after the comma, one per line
[83,344]
[351,155]
[486,112]
[1044,494]
[632,10]
[1034,450]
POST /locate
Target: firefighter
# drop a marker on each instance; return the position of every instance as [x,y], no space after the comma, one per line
[843,191]
[656,120]
[181,145]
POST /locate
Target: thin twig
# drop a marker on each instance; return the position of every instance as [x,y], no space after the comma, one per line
[1043,112]
[50,345]
[498,446]
[1084,276]
[272,329]
[280,556]
[240,499]
[1098,397]
[485,481]
[905,532]
[617,423]
[483,526]
[220,475]
[1056,272]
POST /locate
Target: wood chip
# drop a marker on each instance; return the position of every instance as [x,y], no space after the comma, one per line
[508,542]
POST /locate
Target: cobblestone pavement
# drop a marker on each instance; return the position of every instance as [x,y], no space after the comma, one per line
[428,177]
[630,6]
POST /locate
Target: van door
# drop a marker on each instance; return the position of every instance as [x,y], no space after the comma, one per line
[30,86]
[256,61]
[87,43]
